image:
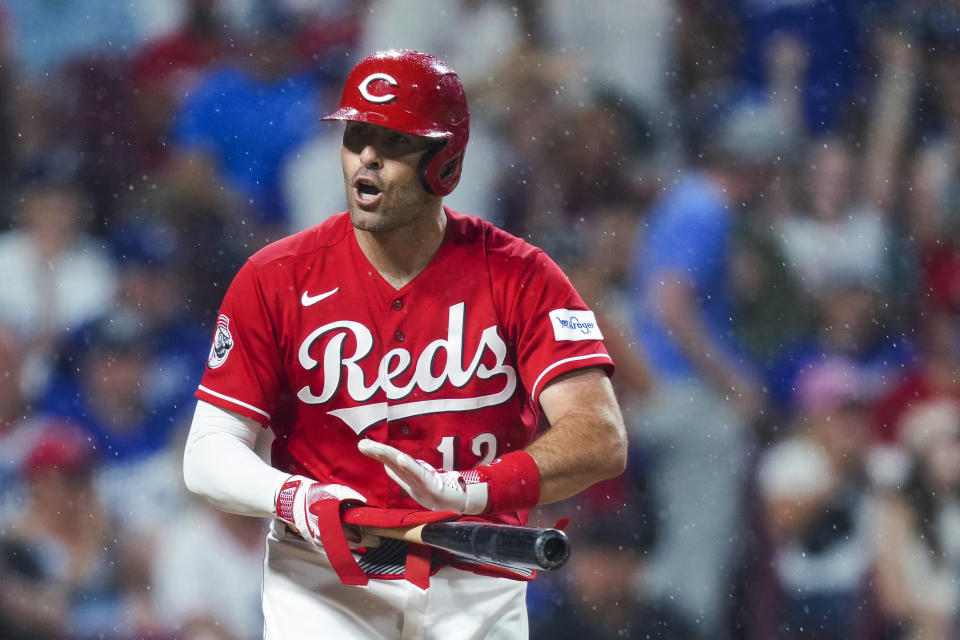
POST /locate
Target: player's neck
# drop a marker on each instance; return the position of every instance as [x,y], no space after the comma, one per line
[400,254]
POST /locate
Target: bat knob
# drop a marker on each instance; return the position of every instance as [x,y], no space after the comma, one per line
[552,549]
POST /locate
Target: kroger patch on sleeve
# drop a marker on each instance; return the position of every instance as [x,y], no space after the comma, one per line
[574,324]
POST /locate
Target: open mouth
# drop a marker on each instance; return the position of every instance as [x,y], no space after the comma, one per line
[366,191]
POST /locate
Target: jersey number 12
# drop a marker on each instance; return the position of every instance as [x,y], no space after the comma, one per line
[483,445]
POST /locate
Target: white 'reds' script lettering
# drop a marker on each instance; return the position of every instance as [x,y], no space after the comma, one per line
[395,363]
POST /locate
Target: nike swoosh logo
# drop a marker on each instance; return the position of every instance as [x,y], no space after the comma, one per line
[307,300]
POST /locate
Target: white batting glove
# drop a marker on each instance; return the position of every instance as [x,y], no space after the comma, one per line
[293,504]
[433,489]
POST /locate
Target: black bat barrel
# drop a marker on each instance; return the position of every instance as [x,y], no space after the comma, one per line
[536,548]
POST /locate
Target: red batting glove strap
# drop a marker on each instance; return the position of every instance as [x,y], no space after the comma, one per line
[513,482]
[335,543]
[327,509]
[417,569]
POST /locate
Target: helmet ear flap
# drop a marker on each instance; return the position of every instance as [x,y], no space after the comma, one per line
[452,167]
[440,173]
[449,176]
[423,167]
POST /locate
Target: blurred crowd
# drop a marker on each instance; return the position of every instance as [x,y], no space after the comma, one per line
[759,198]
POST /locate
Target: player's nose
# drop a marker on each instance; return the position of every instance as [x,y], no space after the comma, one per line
[370,156]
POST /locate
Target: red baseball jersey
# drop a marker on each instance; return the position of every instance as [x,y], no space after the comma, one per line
[312,342]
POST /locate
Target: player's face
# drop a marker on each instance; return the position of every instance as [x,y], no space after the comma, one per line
[381,179]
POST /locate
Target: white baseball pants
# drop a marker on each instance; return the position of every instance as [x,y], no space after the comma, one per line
[304,599]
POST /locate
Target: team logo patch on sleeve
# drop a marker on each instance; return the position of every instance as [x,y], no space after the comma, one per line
[222,343]
[574,324]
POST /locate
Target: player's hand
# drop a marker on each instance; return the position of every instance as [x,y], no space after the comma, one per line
[433,489]
[296,497]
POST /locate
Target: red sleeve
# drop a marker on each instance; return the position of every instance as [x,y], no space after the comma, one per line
[244,369]
[553,329]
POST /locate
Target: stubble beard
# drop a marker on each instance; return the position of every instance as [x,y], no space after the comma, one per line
[406,204]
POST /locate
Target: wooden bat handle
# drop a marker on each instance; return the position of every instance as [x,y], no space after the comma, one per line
[407,534]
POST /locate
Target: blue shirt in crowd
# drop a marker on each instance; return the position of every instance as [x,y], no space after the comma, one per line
[834,35]
[250,127]
[687,233]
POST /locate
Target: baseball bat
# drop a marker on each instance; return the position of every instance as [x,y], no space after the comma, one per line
[487,542]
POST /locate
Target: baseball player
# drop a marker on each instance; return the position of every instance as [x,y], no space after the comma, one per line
[402,354]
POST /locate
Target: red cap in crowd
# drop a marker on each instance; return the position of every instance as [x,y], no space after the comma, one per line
[61,447]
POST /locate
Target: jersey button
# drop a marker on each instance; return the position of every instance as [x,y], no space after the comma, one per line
[397,304]
[398,336]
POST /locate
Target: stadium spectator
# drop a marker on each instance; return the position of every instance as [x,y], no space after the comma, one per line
[64,277]
[245,116]
[603,592]
[527,186]
[850,321]
[937,374]
[836,239]
[769,308]
[66,565]
[568,159]
[815,506]
[833,34]
[190,228]
[706,395]
[166,69]
[918,527]
[590,34]
[108,395]
[18,430]
[204,547]
[841,225]
[603,596]
[147,252]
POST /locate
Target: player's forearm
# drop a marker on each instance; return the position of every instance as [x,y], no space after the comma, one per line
[568,466]
[220,465]
[586,442]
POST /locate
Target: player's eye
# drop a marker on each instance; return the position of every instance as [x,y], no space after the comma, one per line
[356,136]
[404,144]
[398,142]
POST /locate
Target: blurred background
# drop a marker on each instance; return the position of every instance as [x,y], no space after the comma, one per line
[759,198]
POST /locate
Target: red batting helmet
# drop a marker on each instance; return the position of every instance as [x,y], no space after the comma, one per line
[415,93]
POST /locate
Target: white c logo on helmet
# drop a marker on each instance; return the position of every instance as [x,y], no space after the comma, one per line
[377,99]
